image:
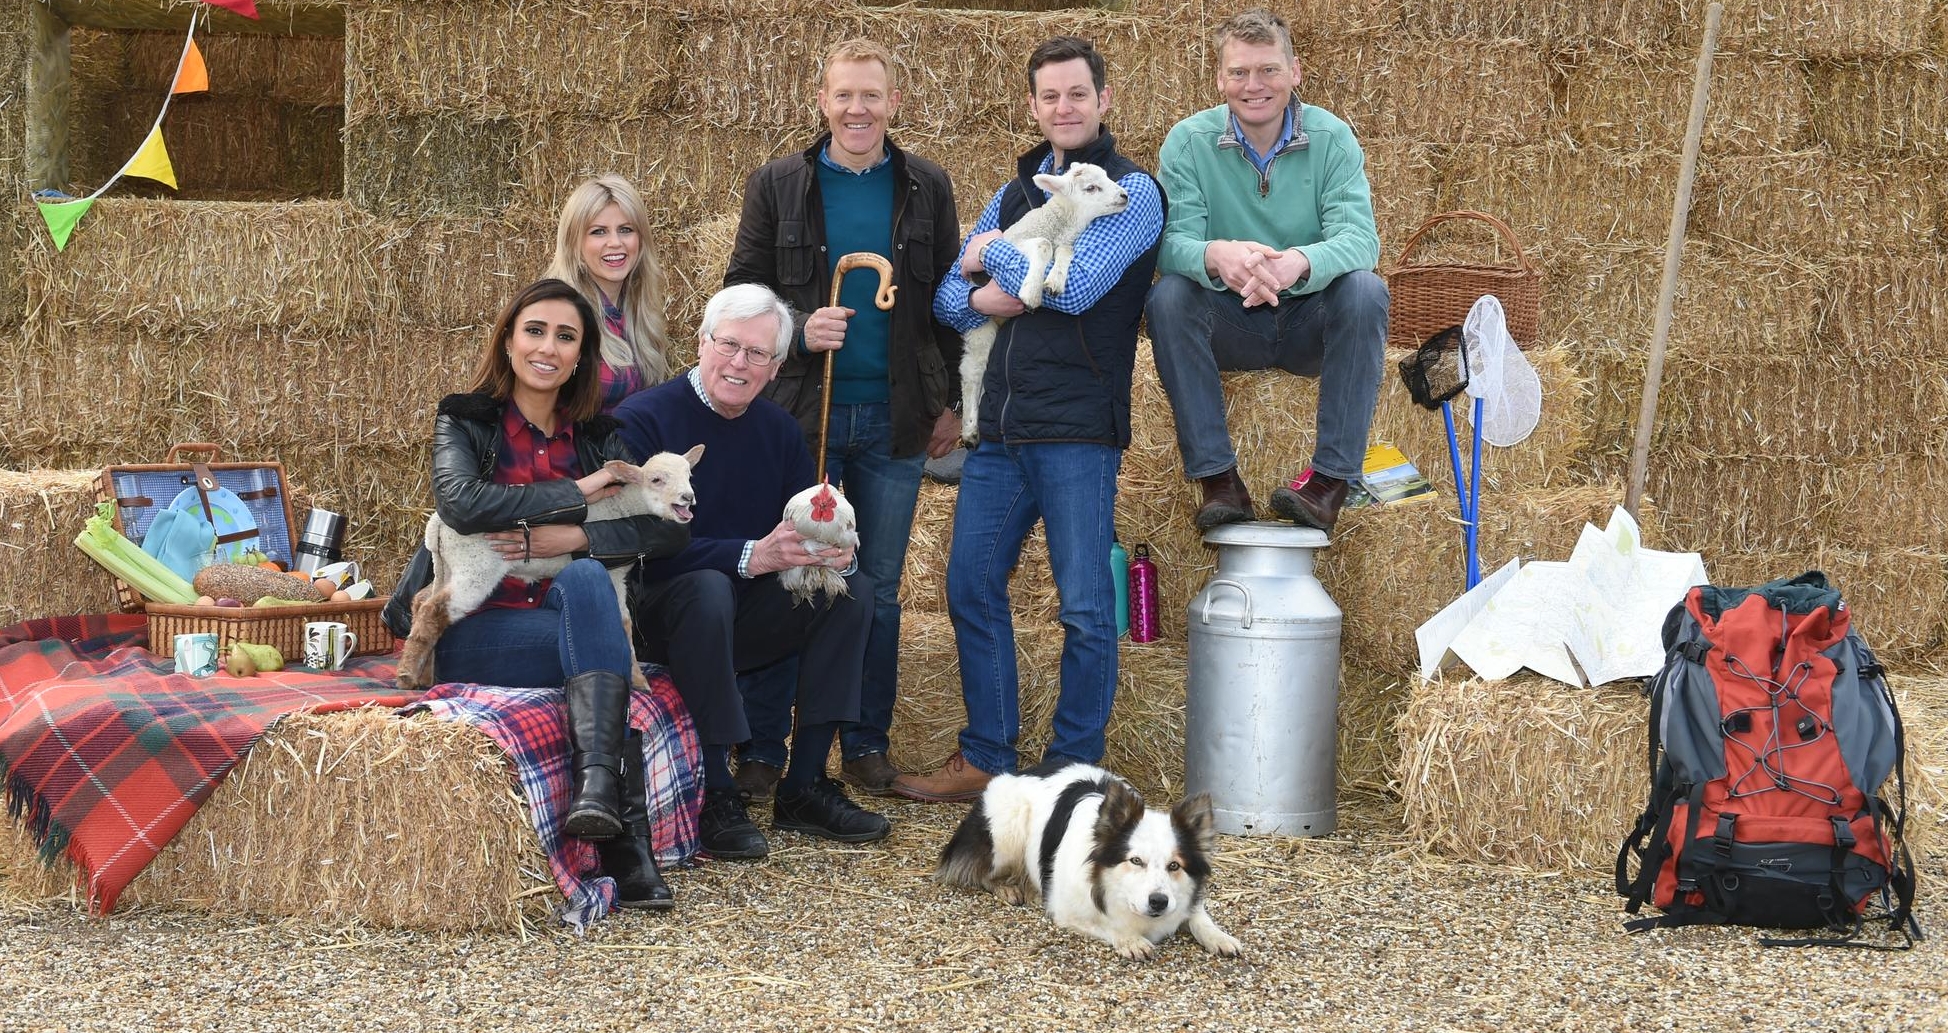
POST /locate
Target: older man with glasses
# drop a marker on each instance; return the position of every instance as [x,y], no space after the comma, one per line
[1268,258]
[716,609]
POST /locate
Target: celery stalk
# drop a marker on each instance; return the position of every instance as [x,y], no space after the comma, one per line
[122,558]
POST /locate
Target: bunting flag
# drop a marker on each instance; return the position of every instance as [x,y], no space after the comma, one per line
[152,161]
[194,75]
[247,8]
[61,218]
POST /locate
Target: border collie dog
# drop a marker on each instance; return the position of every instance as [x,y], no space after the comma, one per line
[1102,863]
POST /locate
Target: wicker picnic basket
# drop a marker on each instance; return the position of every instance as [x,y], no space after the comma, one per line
[1429,297]
[141,491]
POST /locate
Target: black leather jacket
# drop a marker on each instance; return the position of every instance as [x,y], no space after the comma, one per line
[781,244]
[466,445]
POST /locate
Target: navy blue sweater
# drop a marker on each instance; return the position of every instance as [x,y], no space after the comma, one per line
[751,467]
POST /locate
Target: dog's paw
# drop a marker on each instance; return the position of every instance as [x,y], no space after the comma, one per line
[1135,948]
[1009,893]
[1213,939]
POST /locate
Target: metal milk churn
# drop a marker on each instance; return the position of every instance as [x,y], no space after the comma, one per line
[1261,714]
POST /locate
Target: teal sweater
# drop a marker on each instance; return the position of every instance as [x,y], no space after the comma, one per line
[1316,199]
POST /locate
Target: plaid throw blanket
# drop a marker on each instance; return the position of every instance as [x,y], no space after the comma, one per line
[107,752]
[531,726]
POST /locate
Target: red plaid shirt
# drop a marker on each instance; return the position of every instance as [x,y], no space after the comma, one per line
[529,456]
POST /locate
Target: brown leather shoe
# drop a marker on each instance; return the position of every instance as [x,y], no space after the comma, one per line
[872,773]
[756,779]
[1226,501]
[1316,504]
[954,782]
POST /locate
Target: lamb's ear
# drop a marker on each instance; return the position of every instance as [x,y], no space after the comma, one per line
[692,456]
[1052,184]
[625,473]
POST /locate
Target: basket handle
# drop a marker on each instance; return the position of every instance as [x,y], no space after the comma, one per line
[210,449]
[1501,227]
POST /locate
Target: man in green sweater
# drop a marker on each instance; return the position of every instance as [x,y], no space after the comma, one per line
[1268,258]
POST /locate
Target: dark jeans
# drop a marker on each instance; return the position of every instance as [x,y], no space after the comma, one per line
[576,628]
[707,627]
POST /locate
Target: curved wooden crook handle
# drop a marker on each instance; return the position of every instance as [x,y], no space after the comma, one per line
[882,298]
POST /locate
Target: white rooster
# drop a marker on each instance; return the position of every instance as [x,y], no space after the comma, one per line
[823,516]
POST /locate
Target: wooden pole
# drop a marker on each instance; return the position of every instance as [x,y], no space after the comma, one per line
[47,99]
[1673,258]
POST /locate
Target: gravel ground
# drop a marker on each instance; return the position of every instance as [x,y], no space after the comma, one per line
[1357,931]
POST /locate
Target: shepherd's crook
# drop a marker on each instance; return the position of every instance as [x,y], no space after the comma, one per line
[1673,257]
[883,299]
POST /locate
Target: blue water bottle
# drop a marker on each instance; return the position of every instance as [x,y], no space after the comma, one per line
[1119,572]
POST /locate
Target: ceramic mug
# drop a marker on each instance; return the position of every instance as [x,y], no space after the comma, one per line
[327,644]
[196,653]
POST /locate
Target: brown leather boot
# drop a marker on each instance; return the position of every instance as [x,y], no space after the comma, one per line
[955,781]
[1225,500]
[1316,504]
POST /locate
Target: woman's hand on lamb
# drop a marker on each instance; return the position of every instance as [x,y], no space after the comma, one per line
[825,329]
[784,547]
[598,486]
[541,542]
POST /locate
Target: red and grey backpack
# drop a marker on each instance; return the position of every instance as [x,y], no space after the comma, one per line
[1772,732]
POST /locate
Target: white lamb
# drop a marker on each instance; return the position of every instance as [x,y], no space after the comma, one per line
[1047,236]
[466,567]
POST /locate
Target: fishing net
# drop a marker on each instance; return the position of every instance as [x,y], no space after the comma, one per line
[1437,370]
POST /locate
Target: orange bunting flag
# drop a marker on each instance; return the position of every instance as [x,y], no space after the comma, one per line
[194,76]
[152,161]
[247,8]
[61,218]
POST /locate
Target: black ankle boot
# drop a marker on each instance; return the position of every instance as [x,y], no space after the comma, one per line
[628,858]
[598,714]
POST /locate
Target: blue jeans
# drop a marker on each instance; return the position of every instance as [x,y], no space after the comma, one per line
[1004,489]
[576,628]
[1338,335]
[883,492]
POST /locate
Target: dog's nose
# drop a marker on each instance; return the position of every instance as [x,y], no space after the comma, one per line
[1158,904]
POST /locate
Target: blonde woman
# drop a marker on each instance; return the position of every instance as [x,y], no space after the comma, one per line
[602,248]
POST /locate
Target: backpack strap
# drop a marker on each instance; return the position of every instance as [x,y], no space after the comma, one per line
[1648,838]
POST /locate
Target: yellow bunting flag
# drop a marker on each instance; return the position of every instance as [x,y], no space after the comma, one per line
[62,217]
[152,161]
[194,75]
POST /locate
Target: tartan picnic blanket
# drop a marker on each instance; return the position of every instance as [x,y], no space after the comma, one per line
[531,725]
[107,752]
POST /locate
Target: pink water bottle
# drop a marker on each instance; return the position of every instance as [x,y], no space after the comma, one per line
[1143,597]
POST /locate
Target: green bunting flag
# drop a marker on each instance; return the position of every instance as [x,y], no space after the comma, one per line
[61,218]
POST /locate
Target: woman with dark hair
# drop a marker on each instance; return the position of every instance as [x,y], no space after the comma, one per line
[518,457]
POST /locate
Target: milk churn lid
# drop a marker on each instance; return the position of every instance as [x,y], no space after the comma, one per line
[1272,533]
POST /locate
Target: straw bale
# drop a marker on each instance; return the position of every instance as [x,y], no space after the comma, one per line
[964,71]
[410,823]
[41,573]
[1401,174]
[161,263]
[1556,190]
[1922,697]
[241,64]
[1145,738]
[1525,771]
[1892,304]
[1812,202]
[1899,597]
[1631,99]
[684,173]
[1390,568]
[1448,91]
[458,272]
[1370,703]
[1031,588]
[1881,106]
[1559,25]
[1827,29]
[313,150]
[1778,504]
[441,163]
[1825,406]
[495,61]
[693,266]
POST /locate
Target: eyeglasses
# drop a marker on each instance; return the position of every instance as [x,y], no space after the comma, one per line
[1268,74]
[729,350]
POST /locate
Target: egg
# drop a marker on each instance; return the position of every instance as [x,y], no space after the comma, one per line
[341,596]
[205,600]
[325,586]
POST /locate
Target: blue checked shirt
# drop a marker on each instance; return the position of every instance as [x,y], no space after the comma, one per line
[1105,249]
